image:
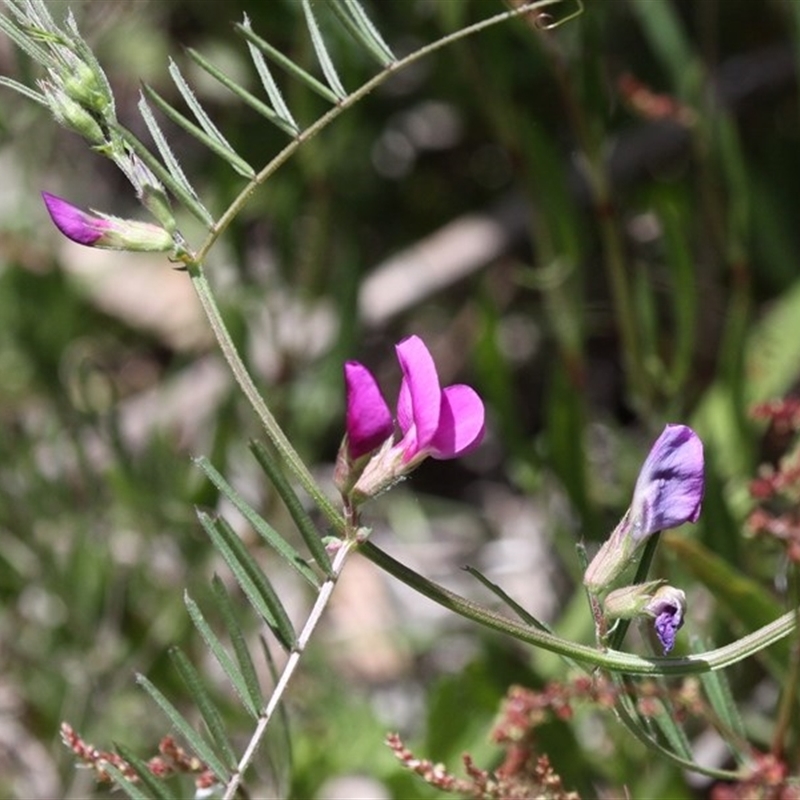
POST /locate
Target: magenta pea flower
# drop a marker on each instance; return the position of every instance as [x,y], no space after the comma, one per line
[106,231]
[668,492]
[440,423]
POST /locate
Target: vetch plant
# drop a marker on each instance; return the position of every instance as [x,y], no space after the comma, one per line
[431,422]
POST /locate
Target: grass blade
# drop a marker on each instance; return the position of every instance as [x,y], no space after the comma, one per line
[260,525]
[286,125]
[246,667]
[226,153]
[229,667]
[205,705]
[199,745]
[158,788]
[308,530]
[328,70]
[249,576]
[281,60]
[352,15]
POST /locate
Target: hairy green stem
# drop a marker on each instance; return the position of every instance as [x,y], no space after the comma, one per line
[611,660]
[274,431]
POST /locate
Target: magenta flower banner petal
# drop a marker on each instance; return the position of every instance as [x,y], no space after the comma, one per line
[422,382]
[461,423]
[369,421]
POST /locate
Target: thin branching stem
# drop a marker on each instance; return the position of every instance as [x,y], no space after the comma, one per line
[351,99]
[611,660]
[288,671]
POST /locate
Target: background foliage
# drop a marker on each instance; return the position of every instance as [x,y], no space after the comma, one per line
[595,226]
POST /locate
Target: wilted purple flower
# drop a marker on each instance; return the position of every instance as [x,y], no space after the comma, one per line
[435,422]
[667,608]
[106,231]
[668,492]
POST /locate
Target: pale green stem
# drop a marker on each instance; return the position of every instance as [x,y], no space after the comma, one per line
[288,671]
[612,660]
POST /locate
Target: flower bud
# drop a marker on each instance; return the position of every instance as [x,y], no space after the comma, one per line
[71,115]
[106,231]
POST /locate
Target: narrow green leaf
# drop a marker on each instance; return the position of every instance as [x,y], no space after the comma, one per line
[328,70]
[268,82]
[205,705]
[629,716]
[125,783]
[260,525]
[184,194]
[225,153]
[281,60]
[355,19]
[672,732]
[287,125]
[240,649]
[522,613]
[199,745]
[249,576]
[305,524]
[720,697]
[171,162]
[158,787]
[20,88]
[229,667]
[197,109]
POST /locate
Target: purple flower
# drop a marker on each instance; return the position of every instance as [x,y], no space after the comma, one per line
[435,422]
[668,492]
[667,608]
[105,231]
[669,489]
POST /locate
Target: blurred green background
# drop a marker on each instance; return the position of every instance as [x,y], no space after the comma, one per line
[596,226]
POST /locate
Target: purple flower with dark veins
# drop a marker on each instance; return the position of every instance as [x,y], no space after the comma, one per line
[668,492]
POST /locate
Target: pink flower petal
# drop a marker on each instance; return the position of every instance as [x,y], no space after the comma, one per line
[419,403]
[461,423]
[369,421]
[72,222]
